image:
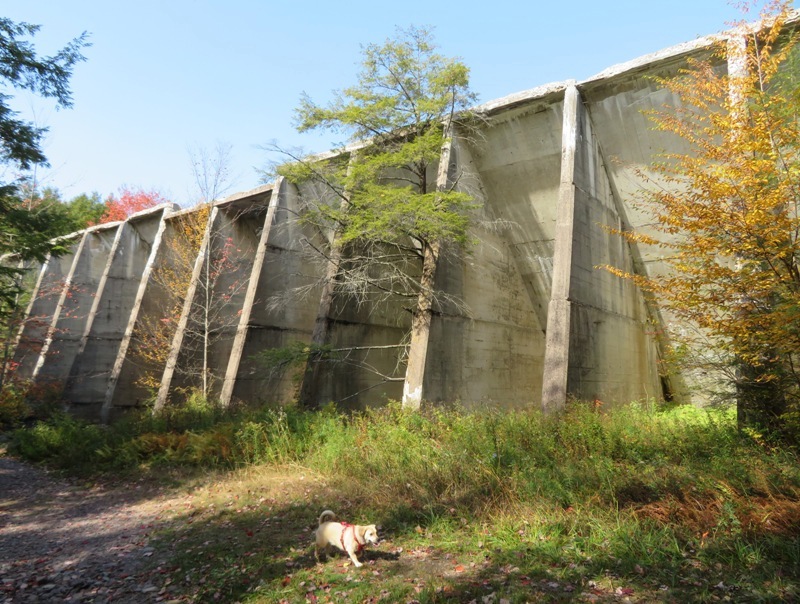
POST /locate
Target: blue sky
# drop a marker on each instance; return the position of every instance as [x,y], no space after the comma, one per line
[166,76]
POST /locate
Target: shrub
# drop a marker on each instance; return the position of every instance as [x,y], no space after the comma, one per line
[14,407]
[62,441]
[23,400]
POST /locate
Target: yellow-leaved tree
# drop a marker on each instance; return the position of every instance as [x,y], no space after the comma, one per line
[172,276]
[726,210]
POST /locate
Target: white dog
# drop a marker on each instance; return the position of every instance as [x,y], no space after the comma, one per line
[350,538]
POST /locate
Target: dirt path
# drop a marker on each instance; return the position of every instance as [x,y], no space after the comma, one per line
[66,542]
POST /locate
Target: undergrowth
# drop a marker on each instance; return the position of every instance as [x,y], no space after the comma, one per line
[440,458]
[672,499]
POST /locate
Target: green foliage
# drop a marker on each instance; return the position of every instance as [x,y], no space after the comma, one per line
[23,400]
[21,68]
[669,502]
[61,440]
[447,456]
[13,406]
[403,84]
[29,234]
[26,231]
[723,206]
[388,204]
[380,196]
[85,210]
[396,114]
[69,216]
[294,354]
[664,499]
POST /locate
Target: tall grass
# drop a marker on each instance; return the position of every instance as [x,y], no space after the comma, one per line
[633,456]
[439,459]
[664,497]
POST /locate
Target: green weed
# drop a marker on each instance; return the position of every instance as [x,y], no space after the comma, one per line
[640,502]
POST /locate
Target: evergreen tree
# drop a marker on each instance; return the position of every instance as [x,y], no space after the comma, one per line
[26,231]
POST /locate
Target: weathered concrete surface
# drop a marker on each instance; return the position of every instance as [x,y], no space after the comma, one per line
[263,222]
[144,242]
[555,169]
[77,299]
[95,369]
[277,317]
[203,345]
[43,312]
[86,383]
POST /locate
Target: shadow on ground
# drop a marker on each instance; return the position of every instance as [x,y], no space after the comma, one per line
[253,543]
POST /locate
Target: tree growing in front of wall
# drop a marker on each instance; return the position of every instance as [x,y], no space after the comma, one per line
[385,215]
[196,260]
[727,213]
[172,276]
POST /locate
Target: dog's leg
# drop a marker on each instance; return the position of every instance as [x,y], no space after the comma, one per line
[353,558]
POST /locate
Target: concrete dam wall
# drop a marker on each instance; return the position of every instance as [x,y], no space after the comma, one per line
[555,166]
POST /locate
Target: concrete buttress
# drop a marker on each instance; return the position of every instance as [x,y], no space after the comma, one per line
[528,316]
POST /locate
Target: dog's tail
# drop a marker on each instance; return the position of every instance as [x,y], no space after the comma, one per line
[326,514]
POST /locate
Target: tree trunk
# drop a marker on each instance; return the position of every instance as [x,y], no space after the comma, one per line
[760,402]
[421,319]
[421,329]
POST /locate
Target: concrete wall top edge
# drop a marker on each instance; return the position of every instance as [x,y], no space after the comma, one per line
[169,206]
[78,234]
[146,213]
[184,211]
[554,89]
[679,51]
[256,203]
[672,53]
[105,226]
[244,195]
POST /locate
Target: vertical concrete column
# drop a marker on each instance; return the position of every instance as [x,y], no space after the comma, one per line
[23,333]
[105,411]
[56,316]
[319,335]
[39,319]
[278,192]
[749,399]
[557,341]
[421,324]
[98,295]
[74,310]
[737,68]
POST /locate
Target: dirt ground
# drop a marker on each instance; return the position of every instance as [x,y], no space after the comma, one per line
[63,541]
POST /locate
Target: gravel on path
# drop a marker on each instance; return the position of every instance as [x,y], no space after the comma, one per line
[61,541]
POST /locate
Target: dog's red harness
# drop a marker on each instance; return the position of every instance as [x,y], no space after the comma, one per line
[346,526]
